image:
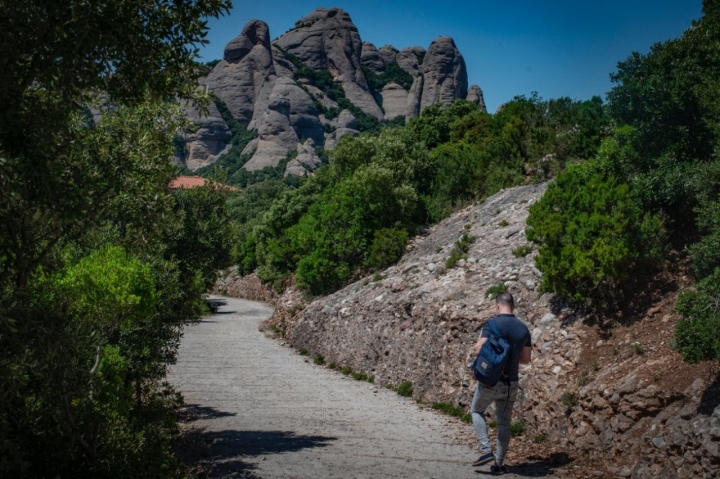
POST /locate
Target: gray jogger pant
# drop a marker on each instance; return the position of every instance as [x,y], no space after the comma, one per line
[504,396]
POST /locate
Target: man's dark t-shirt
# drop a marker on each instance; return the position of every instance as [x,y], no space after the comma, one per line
[515,333]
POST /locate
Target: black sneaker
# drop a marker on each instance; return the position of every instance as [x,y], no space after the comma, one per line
[484,459]
[498,470]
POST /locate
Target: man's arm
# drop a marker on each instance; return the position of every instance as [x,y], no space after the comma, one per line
[478,345]
[525,355]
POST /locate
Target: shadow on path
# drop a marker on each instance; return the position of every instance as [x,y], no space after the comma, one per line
[223,453]
[537,466]
[228,450]
[229,444]
[195,412]
[198,455]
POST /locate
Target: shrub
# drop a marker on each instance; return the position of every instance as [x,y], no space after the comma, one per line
[697,334]
[461,247]
[359,376]
[594,239]
[517,428]
[539,438]
[453,411]
[392,73]
[455,256]
[503,223]
[522,251]
[387,247]
[319,360]
[637,348]
[493,291]
[304,352]
[405,389]
[569,399]
[346,370]
[464,243]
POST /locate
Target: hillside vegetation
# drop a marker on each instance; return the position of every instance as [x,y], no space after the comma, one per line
[357,214]
[100,265]
[605,226]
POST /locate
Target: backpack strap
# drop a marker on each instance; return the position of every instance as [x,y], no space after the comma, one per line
[493,328]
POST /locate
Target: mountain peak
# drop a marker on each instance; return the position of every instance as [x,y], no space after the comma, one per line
[320,81]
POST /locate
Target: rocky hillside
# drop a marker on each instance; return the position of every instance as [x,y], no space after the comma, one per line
[613,395]
[319,81]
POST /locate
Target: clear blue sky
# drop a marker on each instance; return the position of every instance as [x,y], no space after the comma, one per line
[512,47]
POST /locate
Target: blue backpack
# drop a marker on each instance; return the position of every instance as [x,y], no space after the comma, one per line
[490,363]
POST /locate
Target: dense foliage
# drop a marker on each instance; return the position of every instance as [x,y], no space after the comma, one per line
[664,154]
[697,335]
[100,266]
[528,139]
[357,214]
[392,73]
[594,237]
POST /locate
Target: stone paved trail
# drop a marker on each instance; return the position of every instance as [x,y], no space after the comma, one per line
[265,412]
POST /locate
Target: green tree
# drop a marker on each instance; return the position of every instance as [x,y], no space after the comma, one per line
[70,187]
[102,294]
[203,243]
[697,334]
[387,247]
[333,239]
[594,239]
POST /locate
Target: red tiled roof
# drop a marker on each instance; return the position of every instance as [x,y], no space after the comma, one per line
[187,182]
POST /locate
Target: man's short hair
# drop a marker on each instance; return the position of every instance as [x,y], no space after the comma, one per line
[505,299]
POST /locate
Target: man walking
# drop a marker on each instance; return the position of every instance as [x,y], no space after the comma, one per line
[505,391]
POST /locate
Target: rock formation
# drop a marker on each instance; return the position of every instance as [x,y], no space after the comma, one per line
[475,95]
[370,57]
[287,116]
[444,72]
[258,81]
[410,59]
[208,140]
[240,75]
[329,40]
[306,160]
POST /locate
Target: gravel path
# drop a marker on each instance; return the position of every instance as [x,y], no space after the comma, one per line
[267,412]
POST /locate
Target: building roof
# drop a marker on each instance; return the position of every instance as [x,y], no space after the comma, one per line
[187,182]
[190,182]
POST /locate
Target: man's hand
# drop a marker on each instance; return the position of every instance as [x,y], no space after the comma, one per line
[478,345]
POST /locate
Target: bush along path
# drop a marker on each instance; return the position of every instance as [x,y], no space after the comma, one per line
[260,409]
